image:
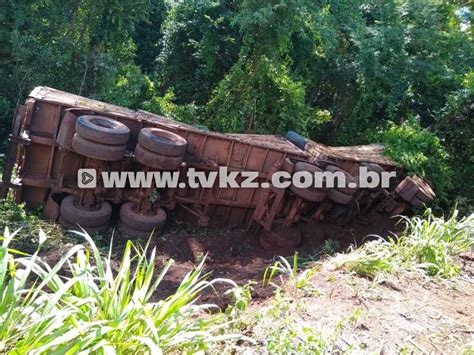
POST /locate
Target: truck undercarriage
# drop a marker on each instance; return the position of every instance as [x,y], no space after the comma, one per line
[54,134]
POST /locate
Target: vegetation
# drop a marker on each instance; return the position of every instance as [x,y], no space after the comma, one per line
[94,309]
[419,151]
[428,245]
[399,72]
[350,72]
[28,226]
[92,302]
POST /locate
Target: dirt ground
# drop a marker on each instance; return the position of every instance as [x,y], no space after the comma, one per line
[400,313]
[396,314]
[238,255]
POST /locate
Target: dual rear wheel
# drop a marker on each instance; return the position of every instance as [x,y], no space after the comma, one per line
[100,138]
[76,216]
[160,149]
[132,223]
[341,195]
[106,139]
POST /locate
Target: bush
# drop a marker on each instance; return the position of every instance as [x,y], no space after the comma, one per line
[457,130]
[418,150]
[93,309]
[428,245]
[257,96]
[165,105]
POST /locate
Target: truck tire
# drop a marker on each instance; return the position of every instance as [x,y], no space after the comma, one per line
[288,166]
[100,229]
[308,194]
[349,179]
[71,212]
[311,193]
[97,151]
[424,196]
[296,139]
[417,203]
[407,189]
[128,231]
[425,193]
[339,197]
[157,161]
[162,142]
[145,222]
[66,130]
[373,167]
[102,130]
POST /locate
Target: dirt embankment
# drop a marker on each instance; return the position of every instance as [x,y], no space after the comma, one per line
[394,315]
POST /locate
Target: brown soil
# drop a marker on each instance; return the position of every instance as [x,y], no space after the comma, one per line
[238,255]
[399,313]
[396,314]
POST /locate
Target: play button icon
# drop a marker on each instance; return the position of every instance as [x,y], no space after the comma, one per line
[86,178]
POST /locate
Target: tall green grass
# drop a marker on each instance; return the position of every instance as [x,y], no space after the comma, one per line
[428,244]
[81,304]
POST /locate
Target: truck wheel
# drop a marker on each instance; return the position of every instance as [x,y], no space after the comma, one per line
[425,193]
[100,229]
[407,189]
[146,222]
[157,161]
[128,231]
[416,202]
[424,196]
[73,213]
[296,139]
[349,179]
[309,193]
[162,142]
[98,151]
[373,167]
[66,130]
[339,197]
[102,130]
[288,166]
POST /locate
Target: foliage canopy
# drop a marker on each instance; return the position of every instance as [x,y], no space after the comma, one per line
[341,72]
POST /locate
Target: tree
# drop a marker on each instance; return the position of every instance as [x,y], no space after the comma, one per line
[199,46]
[77,46]
[259,94]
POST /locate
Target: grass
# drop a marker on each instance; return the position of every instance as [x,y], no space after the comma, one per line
[292,280]
[80,304]
[89,302]
[428,245]
[29,224]
[280,328]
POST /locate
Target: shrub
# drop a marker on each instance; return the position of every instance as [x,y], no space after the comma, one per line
[428,244]
[93,309]
[29,225]
[418,150]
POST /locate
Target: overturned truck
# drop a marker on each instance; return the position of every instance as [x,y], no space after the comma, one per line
[54,134]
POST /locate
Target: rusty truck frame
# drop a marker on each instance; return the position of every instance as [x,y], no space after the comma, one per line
[41,168]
